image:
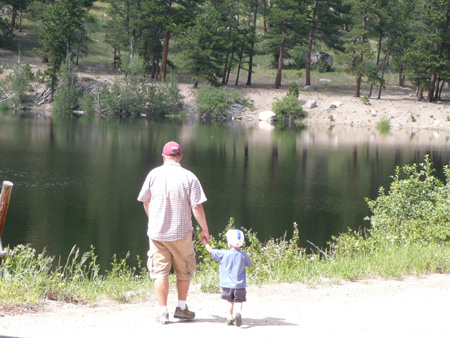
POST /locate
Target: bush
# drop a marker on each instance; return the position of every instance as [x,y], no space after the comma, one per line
[384,126]
[215,101]
[87,103]
[414,211]
[288,107]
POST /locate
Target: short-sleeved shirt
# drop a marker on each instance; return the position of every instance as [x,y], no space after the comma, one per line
[171,192]
[232,265]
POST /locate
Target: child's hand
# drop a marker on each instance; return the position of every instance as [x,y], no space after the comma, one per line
[204,241]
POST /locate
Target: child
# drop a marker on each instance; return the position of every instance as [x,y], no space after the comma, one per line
[232,273]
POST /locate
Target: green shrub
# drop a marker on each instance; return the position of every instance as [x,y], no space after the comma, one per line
[215,100]
[294,90]
[384,126]
[288,107]
[20,82]
[414,211]
[87,103]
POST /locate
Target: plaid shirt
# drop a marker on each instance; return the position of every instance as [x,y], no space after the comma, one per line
[171,191]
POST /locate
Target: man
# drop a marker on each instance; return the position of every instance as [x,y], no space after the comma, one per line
[169,193]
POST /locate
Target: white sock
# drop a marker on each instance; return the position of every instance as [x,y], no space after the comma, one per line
[230,317]
[181,304]
[163,309]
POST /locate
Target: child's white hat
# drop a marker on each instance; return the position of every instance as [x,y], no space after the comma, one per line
[235,237]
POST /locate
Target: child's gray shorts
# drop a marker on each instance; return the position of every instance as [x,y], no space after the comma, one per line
[234,295]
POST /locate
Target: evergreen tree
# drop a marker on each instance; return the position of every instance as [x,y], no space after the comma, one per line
[204,46]
[287,22]
[60,32]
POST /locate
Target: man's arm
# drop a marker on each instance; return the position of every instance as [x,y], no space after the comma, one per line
[199,214]
[146,207]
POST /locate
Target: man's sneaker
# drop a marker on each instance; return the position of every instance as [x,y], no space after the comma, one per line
[163,318]
[230,321]
[238,319]
[184,314]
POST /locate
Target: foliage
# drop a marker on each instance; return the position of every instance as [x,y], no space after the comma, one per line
[214,101]
[414,211]
[20,79]
[132,95]
[288,107]
[294,90]
[87,103]
[384,126]
[27,277]
[66,96]
[270,260]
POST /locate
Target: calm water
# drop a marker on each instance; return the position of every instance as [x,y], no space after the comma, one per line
[76,181]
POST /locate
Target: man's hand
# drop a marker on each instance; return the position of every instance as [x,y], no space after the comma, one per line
[204,236]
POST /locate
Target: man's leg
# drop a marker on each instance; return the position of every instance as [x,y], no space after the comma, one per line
[162,291]
[182,312]
[183,289]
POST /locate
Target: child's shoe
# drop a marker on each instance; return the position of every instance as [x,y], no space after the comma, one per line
[238,319]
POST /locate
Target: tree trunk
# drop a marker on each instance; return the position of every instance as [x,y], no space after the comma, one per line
[13,17]
[310,43]
[115,58]
[252,48]
[420,94]
[239,69]
[400,73]
[361,59]
[382,73]
[225,68]
[431,91]
[165,54]
[280,64]
[436,92]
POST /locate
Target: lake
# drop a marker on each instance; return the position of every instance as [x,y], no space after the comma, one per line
[76,180]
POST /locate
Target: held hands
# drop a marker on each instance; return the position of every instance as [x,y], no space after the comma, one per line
[205,243]
[204,237]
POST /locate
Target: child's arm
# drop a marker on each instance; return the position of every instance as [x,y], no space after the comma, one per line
[207,246]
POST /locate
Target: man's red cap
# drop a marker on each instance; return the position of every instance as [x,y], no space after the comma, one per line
[172,149]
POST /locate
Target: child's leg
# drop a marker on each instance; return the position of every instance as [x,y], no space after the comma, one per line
[230,310]
[238,315]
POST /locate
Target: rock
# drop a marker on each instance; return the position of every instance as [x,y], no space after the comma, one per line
[437,122]
[309,88]
[324,80]
[267,116]
[320,58]
[373,112]
[335,105]
[311,104]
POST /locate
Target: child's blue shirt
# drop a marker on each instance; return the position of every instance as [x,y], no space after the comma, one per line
[232,265]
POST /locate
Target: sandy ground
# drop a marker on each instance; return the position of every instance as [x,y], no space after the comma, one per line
[412,307]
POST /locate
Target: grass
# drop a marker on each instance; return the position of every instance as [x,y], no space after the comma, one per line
[384,126]
[28,278]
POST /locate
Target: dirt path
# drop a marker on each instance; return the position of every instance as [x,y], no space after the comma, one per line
[411,307]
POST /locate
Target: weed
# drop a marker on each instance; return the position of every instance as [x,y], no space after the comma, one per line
[384,126]
[365,99]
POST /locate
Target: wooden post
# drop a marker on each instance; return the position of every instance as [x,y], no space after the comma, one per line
[4,203]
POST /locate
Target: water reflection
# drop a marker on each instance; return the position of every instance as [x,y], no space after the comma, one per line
[76,181]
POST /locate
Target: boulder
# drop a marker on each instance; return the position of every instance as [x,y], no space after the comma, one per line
[320,58]
[309,88]
[335,105]
[267,116]
[311,104]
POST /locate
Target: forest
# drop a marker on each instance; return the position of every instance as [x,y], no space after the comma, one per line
[216,38]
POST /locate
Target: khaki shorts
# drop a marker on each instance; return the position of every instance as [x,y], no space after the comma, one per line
[180,253]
